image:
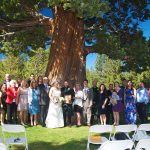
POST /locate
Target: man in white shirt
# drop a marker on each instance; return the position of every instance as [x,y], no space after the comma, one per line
[142,99]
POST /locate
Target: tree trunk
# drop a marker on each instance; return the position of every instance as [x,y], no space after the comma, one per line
[66,59]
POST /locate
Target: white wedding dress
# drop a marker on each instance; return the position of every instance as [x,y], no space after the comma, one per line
[54,117]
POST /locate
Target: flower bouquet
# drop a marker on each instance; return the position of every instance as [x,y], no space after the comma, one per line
[58,100]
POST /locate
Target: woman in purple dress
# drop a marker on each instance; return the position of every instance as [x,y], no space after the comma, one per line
[118,107]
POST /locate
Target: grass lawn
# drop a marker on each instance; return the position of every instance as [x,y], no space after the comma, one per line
[40,138]
[73,138]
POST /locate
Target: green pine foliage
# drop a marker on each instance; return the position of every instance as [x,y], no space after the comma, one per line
[109,71]
[22,65]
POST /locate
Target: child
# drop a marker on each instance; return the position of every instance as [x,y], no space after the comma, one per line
[114,99]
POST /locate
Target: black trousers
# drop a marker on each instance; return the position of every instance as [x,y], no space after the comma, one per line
[67,113]
[43,114]
[12,113]
[109,114]
[95,114]
[141,109]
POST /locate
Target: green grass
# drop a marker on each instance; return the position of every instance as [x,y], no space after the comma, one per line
[57,139]
[73,138]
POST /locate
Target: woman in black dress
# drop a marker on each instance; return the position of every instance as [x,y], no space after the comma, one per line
[3,106]
[103,98]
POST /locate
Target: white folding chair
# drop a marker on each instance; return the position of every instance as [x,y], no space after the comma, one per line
[141,132]
[98,129]
[10,139]
[125,129]
[143,144]
[117,145]
[3,146]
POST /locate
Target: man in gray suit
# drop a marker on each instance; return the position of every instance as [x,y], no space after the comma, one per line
[87,103]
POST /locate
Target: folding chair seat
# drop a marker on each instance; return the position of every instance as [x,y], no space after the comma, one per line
[98,129]
[10,133]
[143,144]
[117,145]
[125,129]
[3,146]
[141,132]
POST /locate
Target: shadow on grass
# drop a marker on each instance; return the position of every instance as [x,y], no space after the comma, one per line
[72,145]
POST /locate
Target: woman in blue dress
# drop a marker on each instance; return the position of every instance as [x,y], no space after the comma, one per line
[130,106]
[33,101]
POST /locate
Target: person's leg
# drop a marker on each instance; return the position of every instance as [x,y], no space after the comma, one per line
[69,114]
[89,116]
[21,117]
[78,118]
[25,117]
[35,119]
[2,117]
[114,114]
[9,114]
[117,118]
[42,114]
[101,119]
[139,107]
[108,111]
[84,116]
[144,115]
[14,112]
[45,114]
[104,119]
[64,115]
[31,119]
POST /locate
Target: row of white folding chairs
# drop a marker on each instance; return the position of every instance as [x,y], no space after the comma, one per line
[110,129]
[11,139]
[143,144]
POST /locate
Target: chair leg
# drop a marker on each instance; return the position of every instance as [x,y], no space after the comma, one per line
[88,146]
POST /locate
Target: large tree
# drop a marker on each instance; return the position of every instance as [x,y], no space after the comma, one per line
[75,23]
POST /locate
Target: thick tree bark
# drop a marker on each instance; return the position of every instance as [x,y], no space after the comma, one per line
[66,59]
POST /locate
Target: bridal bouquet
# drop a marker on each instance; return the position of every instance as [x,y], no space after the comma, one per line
[58,100]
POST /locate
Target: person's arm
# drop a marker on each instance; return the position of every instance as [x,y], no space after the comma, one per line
[51,94]
[146,96]
[0,98]
[124,97]
[134,92]
[91,97]
[18,95]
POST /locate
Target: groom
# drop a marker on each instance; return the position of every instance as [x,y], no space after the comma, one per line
[68,94]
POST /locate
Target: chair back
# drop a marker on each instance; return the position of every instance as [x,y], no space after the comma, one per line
[117,145]
[3,146]
[13,128]
[101,128]
[126,128]
[143,144]
[144,127]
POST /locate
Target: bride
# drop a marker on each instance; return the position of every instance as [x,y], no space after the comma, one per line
[54,117]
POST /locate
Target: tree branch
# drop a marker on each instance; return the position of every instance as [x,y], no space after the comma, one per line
[89,50]
[41,21]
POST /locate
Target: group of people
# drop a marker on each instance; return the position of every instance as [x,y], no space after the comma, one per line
[53,106]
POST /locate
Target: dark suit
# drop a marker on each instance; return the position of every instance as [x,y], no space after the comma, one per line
[95,104]
[67,108]
[44,103]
